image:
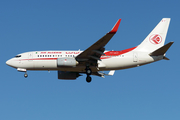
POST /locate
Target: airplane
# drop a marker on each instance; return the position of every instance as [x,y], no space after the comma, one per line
[95,59]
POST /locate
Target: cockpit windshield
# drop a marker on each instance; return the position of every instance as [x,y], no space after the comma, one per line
[17,56]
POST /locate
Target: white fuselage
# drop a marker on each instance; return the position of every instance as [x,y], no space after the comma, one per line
[47,60]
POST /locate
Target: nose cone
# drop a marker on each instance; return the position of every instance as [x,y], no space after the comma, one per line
[9,63]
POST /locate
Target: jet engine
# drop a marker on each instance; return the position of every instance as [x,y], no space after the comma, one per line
[70,62]
[68,75]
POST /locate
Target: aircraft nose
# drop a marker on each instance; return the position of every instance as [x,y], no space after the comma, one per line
[9,62]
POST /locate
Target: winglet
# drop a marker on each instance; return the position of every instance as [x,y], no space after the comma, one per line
[115,28]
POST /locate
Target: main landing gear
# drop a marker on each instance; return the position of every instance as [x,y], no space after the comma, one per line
[88,78]
[88,73]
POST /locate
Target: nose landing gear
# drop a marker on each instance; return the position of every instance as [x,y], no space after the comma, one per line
[25,75]
[23,70]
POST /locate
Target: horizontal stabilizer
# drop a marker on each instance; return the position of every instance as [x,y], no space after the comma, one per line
[165,58]
[111,73]
[162,50]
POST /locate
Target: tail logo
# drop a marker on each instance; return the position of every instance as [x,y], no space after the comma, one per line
[155,39]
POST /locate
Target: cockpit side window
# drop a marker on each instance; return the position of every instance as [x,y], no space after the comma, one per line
[17,56]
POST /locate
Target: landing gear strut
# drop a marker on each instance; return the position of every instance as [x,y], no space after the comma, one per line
[88,73]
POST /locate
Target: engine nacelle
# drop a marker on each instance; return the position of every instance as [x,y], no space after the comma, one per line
[66,62]
[68,75]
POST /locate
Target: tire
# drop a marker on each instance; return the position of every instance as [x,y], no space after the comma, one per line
[88,79]
[88,71]
[25,75]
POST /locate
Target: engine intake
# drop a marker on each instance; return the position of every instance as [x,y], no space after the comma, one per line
[66,62]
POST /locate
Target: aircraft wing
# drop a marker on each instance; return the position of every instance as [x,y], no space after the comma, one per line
[94,52]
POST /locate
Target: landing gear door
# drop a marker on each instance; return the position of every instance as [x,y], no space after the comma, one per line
[30,56]
[135,57]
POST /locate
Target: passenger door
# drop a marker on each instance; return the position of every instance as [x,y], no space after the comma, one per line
[30,56]
[135,57]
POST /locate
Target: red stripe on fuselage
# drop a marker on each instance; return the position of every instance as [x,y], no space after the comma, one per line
[41,59]
[110,54]
[44,58]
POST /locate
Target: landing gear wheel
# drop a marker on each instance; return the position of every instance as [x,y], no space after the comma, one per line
[25,75]
[88,79]
[88,71]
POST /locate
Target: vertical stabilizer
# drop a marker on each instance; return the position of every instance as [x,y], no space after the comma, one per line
[156,38]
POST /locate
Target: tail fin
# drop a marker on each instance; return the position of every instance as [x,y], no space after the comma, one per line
[156,38]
